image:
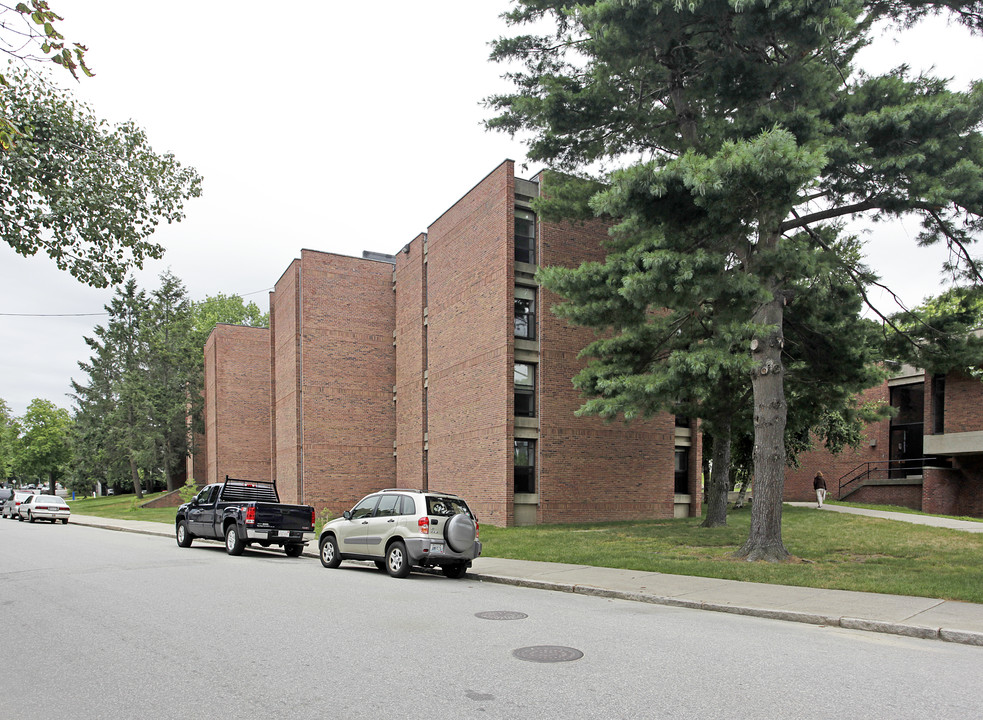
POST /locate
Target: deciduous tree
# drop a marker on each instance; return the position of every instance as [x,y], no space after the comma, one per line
[45,445]
[87,194]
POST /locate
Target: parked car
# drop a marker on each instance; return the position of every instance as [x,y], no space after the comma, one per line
[10,506]
[44,507]
[399,529]
[244,512]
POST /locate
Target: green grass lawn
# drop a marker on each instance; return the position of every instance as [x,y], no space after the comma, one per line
[123,507]
[831,550]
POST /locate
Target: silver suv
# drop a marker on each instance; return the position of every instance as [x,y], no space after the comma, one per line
[399,529]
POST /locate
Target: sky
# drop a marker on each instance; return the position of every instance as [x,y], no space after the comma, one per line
[331,126]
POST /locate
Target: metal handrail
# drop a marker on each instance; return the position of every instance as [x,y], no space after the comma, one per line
[865,470]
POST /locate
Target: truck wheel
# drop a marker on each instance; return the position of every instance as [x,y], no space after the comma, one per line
[293,550]
[397,562]
[457,570]
[182,534]
[329,552]
[234,544]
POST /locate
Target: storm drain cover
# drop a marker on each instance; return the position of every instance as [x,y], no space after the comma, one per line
[501,615]
[548,653]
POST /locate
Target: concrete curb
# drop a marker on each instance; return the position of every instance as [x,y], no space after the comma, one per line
[964,637]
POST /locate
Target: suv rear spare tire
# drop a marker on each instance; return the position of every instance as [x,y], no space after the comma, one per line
[460,532]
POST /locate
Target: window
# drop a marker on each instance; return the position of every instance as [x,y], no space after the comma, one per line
[525,313]
[938,404]
[525,390]
[682,471]
[525,466]
[407,506]
[388,506]
[364,507]
[525,236]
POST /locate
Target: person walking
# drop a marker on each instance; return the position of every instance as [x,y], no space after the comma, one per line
[819,485]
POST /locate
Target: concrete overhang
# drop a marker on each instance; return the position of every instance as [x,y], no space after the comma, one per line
[965,443]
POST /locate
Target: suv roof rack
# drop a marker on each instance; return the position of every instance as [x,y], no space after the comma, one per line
[400,490]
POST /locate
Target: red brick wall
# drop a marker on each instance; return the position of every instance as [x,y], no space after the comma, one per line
[237,397]
[410,365]
[285,383]
[589,469]
[197,463]
[347,369]
[470,327]
[969,500]
[798,481]
[963,400]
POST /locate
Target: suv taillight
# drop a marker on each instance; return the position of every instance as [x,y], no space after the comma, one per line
[313,517]
[476,533]
[424,524]
[250,516]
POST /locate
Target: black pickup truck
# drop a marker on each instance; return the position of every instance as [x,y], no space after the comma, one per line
[244,512]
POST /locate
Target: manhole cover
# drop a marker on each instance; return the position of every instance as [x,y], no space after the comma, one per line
[501,615]
[548,653]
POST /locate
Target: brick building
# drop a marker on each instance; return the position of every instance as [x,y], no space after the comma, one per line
[928,457]
[237,407]
[442,367]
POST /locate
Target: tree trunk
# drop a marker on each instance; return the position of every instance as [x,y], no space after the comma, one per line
[719,477]
[742,495]
[135,476]
[170,467]
[765,538]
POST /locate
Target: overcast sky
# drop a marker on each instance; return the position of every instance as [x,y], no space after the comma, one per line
[340,127]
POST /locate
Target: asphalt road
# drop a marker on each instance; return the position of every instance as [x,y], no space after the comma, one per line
[104,624]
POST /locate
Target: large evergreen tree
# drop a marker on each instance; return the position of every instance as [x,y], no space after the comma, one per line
[751,134]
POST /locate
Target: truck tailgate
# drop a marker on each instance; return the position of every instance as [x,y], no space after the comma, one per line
[283,517]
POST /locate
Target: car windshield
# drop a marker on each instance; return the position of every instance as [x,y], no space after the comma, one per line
[49,499]
[446,506]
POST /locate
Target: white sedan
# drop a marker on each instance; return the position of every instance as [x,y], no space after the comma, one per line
[44,507]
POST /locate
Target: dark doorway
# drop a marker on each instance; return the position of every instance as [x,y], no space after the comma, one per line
[907,429]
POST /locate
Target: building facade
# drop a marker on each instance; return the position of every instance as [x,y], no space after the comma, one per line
[928,457]
[237,406]
[443,368]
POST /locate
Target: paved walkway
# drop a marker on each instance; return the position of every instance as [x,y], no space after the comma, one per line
[933,520]
[895,614]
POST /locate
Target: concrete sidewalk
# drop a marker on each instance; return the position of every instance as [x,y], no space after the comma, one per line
[933,520]
[917,617]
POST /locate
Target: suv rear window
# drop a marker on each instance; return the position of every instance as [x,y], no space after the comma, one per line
[446,506]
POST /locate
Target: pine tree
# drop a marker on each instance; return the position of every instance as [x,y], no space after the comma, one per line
[756,135]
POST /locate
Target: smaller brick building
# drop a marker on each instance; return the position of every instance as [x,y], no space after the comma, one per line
[237,404]
[928,457]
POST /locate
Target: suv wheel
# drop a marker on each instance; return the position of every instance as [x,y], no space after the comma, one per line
[457,570]
[397,562]
[328,553]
